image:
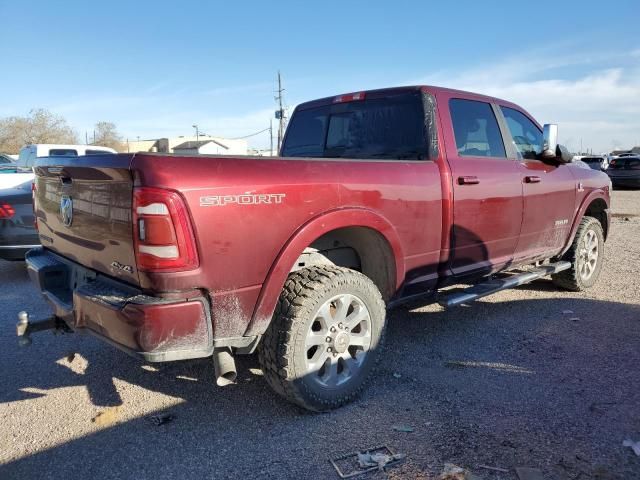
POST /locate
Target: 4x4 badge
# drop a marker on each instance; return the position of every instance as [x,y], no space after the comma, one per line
[66,210]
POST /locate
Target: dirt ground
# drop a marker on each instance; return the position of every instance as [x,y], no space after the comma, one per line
[532,377]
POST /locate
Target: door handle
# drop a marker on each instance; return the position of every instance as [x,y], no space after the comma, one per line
[468,180]
[532,179]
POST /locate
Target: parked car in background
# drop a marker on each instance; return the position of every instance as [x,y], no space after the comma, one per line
[7,164]
[29,153]
[625,171]
[23,165]
[596,162]
[17,228]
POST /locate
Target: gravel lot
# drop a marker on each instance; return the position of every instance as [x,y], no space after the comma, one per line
[530,377]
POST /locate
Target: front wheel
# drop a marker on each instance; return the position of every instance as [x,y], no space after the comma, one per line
[585,255]
[325,337]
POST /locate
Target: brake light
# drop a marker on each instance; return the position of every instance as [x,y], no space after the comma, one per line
[163,237]
[350,97]
[6,211]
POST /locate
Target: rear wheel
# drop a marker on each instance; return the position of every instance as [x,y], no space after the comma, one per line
[585,255]
[325,337]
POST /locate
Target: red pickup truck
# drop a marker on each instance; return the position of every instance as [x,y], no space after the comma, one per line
[377,197]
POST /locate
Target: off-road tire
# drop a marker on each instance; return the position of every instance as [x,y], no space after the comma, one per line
[571,279]
[282,353]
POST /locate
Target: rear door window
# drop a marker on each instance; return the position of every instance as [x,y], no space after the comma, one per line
[476,129]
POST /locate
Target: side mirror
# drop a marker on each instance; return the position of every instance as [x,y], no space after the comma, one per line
[551,149]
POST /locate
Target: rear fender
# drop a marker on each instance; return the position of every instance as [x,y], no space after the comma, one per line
[305,236]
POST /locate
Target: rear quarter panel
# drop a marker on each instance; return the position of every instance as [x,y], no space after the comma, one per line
[238,244]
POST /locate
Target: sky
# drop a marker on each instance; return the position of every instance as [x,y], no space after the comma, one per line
[156,68]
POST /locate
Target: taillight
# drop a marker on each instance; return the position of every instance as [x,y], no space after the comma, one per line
[6,211]
[163,236]
[33,203]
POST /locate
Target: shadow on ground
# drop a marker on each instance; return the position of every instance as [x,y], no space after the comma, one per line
[517,383]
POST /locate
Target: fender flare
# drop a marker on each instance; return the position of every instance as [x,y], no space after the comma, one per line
[594,195]
[305,236]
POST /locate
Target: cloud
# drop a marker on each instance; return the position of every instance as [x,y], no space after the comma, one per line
[599,108]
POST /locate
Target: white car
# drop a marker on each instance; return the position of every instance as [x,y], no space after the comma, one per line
[30,153]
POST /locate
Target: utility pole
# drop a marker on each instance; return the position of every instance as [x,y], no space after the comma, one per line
[271,137]
[197,132]
[280,113]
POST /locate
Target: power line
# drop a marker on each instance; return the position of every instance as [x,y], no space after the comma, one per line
[251,134]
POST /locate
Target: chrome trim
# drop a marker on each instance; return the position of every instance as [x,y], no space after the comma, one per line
[9,247]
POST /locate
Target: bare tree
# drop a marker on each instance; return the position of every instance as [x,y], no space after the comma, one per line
[40,126]
[107,135]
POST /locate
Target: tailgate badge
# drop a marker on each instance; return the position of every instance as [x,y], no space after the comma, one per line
[66,210]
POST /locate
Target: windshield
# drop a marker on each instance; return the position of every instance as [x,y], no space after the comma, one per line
[392,127]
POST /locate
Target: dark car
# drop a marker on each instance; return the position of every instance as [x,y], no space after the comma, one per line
[17,228]
[625,172]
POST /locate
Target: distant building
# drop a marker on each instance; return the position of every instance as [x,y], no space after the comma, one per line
[212,147]
[187,145]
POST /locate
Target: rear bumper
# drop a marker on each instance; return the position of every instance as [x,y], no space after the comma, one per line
[156,329]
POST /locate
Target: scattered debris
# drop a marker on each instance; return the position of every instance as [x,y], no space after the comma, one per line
[525,473]
[403,428]
[495,469]
[635,446]
[359,463]
[454,472]
[574,319]
[161,419]
[378,460]
[108,416]
[567,312]
[397,375]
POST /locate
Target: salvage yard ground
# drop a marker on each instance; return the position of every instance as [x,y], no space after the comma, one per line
[532,377]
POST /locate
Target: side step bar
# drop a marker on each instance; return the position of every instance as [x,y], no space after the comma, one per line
[502,283]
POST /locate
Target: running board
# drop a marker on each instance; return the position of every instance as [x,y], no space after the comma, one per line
[498,284]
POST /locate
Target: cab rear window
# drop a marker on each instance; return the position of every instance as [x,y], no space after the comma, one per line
[63,152]
[387,128]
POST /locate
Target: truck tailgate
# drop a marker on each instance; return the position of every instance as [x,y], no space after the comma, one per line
[83,210]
